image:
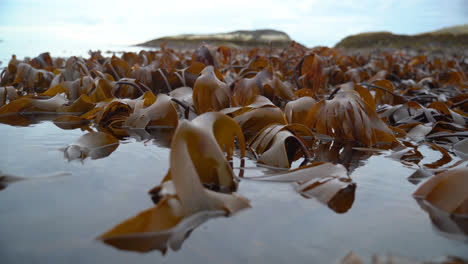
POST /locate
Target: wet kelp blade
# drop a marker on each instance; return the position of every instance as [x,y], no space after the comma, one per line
[93,144]
[348,116]
[444,221]
[210,93]
[188,174]
[277,145]
[156,228]
[447,191]
[204,141]
[315,170]
[183,202]
[32,104]
[337,193]
[327,182]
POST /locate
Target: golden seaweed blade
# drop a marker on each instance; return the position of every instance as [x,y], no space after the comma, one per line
[184,203]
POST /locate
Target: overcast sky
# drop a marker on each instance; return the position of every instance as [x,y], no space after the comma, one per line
[310,22]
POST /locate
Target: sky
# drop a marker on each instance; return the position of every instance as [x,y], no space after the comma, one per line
[29,24]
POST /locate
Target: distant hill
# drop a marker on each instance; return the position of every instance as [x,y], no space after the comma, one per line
[461,29]
[242,38]
[451,37]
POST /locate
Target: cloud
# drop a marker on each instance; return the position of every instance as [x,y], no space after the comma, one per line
[311,22]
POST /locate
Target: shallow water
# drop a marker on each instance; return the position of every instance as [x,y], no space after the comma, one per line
[23,48]
[57,219]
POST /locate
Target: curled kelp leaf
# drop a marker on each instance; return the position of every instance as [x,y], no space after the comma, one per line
[266,83]
[7,75]
[80,106]
[456,117]
[75,67]
[275,87]
[446,191]
[310,74]
[42,61]
[203,55]
[315,170]
[117,67]
[129,88]
[278,145]
[93,144]
[161,113]
[210,93]
[259,102]
[32,79]
[255,119]
[384,93]
[296,111]
[183,94]
[224,130]
[196,158]
[208,136]
[347,116]
[31,104]
[7,94]
[184,202]
[51,104]
[73,89]
[337,193]
[191,73]
[403,113]
[327,182]
[112,118]
[419,132]
[245,91]
[102,90]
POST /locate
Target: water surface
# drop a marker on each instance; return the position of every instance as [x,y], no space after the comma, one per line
[57,219]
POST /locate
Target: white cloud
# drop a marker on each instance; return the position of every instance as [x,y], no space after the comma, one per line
[311,22]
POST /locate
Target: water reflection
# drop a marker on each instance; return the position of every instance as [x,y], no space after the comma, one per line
[151,230]
[96,145]
[329,183]
[343,153]
[340,201]
[7,179]
[15,120]
[160,136]
[68,125]
[343,200]
[31,232]
[448,223]
[26,119]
